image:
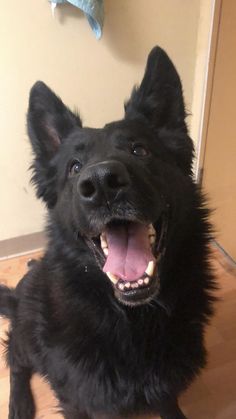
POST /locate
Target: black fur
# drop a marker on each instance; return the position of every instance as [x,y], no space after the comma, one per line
[105,359]
[8,302]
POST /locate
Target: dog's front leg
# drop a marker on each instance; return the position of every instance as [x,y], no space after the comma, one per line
[21,405]
[78,416]
[67,414]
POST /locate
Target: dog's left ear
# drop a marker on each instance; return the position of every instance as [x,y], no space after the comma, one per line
[159,98]
[159,101]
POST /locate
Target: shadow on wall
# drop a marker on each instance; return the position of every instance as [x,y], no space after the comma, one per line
[121,33]
[133,27]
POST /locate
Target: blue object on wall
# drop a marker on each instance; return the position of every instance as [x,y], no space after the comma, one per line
[93,9]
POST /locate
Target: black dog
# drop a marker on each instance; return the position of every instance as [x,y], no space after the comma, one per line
[113,314]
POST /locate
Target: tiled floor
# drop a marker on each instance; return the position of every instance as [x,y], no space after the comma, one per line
[212,396]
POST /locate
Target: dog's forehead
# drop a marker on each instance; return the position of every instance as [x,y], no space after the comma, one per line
[117,131]
[88,142]
[83,138]
[126,129]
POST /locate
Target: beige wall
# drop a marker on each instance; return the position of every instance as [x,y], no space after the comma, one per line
[96,76]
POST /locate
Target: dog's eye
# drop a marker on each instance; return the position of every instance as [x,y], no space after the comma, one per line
[74,168]
[139,150]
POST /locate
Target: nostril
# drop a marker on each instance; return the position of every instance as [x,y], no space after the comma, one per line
[115,181]
[87,189]
[102,181]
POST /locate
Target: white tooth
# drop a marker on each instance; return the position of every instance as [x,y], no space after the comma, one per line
[103,240]
[134,285]
[146,280]
[127,285]
[103,244]
[121,286]
[140,281]
[150,268]
[112,277]
[105,251]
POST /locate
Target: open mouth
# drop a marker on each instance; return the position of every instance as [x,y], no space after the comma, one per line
[130,254]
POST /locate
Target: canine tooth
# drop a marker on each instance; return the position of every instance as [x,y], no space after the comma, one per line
[127,285]
[150,268]
[146,280]
[103,240]
[121,286]
[105,251]
[140,281]
[112,277]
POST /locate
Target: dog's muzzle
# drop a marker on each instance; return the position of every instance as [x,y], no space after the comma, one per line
[100,183]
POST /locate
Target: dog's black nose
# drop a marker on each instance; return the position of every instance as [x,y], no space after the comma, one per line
[103,180]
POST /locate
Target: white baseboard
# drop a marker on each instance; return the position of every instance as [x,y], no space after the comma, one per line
[22,245]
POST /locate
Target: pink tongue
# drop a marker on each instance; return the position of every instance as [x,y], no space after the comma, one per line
[129,251]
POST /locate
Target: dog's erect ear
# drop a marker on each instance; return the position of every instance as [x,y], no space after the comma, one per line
[49,123]
[159,101]
[159,98]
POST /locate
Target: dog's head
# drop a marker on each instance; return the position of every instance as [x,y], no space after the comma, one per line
[114,186]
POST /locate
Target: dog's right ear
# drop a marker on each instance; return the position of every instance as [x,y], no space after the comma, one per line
[49,123]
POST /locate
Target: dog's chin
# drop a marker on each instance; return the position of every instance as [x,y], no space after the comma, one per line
[141,296]
[132,290]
